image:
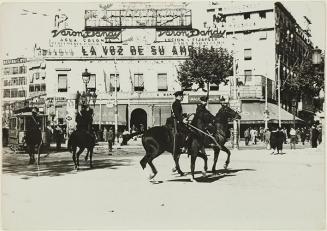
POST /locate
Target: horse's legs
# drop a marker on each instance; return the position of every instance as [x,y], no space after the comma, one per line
[87,154]
[215,159]
[205,159]
[78,154]
[30,149]
[91,153]
[193,159]
[176,159]
[154,170]
[74,156]
[228,155]
[144,161]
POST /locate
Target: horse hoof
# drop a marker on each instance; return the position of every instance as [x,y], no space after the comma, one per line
[181,173]
[173,169]
[225,166]
[204,173]
[151,176]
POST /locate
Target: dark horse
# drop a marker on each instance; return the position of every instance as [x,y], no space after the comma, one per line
[159,139]
[81,139]
[217,129]
[33,138]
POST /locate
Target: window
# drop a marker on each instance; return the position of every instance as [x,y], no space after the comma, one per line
[37,87]
[31,88]
[138,82]
[7,71]
[248,75]
[247,16]
[15,70]
[6,93]
[247,54]
[43,87]
[14,93]
[21,93]
[62,82]
[92,83]
[22,81]
[112,82]
[262,14]
[14,81]
[22,69]
[162,82]
[6,82]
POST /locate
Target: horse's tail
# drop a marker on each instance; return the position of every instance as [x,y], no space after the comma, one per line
[150,145]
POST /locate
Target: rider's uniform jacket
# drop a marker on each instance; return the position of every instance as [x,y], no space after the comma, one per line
[177,111]
[84,120]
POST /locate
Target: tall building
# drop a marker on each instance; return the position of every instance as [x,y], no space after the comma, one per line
[14,85]
[137,49]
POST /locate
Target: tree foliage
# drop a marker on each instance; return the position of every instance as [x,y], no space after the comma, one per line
[206,66]
[306,79]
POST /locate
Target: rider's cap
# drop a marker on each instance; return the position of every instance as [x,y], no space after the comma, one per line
[204,98]
[178,93]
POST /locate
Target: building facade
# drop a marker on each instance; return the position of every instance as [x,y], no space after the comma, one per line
[138,50]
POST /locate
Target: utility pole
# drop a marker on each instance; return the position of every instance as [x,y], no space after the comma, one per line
[116,105]
[266,103]
[235,98]
[279,106]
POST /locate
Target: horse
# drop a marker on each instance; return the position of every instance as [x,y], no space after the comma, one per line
[81,139]
[159,139]
[217,135]
[32,138]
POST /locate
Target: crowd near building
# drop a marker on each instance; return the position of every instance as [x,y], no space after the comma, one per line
[131,55]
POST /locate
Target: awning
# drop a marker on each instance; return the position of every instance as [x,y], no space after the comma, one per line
[253,113]
[108,114]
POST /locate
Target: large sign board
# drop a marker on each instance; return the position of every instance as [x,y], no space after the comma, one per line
[136,18]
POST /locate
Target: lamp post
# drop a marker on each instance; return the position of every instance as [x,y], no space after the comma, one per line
[86,78]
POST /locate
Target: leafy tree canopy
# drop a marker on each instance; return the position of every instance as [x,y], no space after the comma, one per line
[206,66]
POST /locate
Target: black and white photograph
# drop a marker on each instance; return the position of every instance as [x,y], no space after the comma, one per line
[163,115]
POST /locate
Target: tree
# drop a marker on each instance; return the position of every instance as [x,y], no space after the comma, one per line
[204,67]
[307,79]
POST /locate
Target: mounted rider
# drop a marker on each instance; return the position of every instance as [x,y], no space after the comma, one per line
[84,119]
[178,122]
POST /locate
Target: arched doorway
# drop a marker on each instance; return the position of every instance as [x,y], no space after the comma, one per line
[138,118]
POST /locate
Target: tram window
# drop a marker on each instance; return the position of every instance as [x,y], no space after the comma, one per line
[21,124]
[13,122]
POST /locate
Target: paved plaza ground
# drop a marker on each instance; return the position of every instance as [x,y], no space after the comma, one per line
[257,191]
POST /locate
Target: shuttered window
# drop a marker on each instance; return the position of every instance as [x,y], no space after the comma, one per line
[138,82]
[62,83]
[162,82]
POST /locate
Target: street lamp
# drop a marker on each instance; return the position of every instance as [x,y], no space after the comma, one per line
[86,78]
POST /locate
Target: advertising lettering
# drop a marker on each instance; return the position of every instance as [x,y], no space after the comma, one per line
[109,36]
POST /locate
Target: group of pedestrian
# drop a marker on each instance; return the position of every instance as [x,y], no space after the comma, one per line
[252,135]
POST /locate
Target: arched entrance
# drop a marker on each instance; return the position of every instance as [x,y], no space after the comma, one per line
[138,118]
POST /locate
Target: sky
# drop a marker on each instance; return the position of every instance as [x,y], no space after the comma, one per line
[20,29]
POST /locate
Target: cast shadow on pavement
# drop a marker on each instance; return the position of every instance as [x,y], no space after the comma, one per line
[58,167]
[210,178]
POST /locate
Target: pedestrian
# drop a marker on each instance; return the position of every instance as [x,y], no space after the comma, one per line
[253,134]
[247,136]
[319,134]
[105,131]
[125,137]
[280,140]
[58,135]
[293,138]
[273,139]
[261,134]
[302,135]
[314,136]
[267,138]
[284,130]
[110,137]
